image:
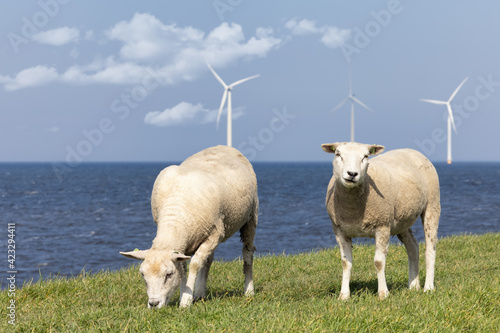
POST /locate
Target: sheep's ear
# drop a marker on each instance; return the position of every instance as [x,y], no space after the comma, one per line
[375,149]
[329,147]
[139,255]
[176,256]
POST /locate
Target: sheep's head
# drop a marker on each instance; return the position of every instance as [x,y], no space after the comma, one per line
[162,272]
[351,161]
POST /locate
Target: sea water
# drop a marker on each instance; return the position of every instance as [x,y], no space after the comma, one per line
[83,219]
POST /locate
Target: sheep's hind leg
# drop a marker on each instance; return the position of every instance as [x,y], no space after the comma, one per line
[411,246]
[382,236]
[247,233]
[430,221]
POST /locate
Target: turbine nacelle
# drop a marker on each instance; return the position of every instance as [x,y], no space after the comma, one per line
[351,97]
[227,96]
[448,104]
[451,120]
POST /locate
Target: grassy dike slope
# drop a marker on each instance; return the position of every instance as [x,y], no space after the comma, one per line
[295,293]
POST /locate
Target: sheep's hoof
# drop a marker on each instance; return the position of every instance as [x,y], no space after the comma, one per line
[414,286]
[344,296]
[428,288]
[186,302]
[383,294]
[249,293]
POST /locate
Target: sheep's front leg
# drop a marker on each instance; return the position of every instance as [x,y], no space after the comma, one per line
[200,288]
[345,245]
[196,266]
[184,278]
[382,235]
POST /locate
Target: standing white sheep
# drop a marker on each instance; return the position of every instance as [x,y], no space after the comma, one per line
[196,206]
[381,198]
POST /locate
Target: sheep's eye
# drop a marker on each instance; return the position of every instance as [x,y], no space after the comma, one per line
[168,276]
[365,157]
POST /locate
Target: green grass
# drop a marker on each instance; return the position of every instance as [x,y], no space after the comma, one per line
[295,293]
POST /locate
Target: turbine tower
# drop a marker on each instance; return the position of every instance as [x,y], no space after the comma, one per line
[227,95]
[451,121]
[353,100]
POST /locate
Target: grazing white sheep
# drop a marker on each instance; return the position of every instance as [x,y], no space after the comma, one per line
[196,206]
[381,198]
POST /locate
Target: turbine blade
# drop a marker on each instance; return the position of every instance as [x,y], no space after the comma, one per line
[450,114]
[224,97]
[243,80]
[340,104]
[217,76]
[350,82]
[458,88]
[360,103]
[434,101]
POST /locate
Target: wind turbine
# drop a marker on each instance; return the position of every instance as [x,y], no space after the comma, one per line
[451,121]
[227,95]
[353,100]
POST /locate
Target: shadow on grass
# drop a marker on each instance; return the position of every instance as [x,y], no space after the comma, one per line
[212,295]
[370,287]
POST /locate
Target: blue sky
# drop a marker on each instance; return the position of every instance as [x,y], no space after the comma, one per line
[127,81]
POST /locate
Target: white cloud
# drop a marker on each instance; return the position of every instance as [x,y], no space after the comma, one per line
[179,114]
[58,37]
[303,27]
[146,38]
[175,54]
[112,73]
[334,37]
[30,77]
[331,36]
[185,112]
